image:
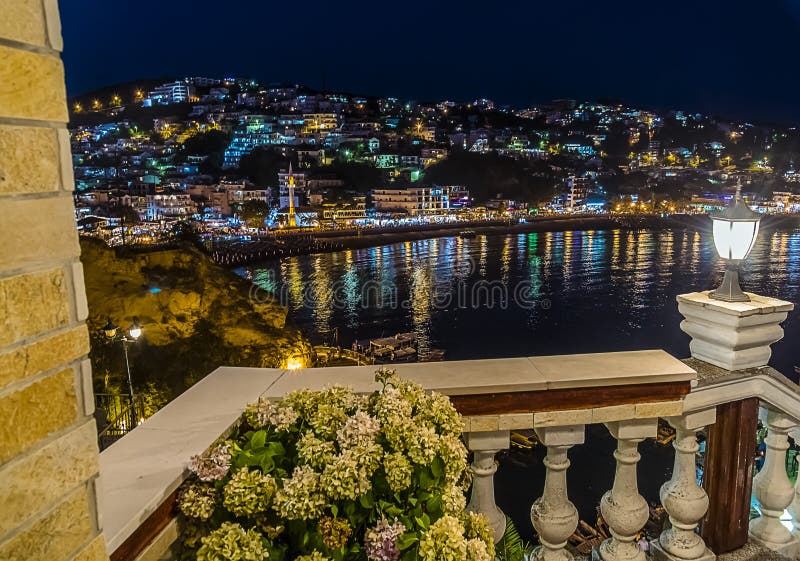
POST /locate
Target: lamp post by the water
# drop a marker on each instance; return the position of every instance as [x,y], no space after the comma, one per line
[735,230]
[134,332]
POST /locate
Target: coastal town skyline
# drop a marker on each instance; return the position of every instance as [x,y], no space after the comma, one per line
[734,61]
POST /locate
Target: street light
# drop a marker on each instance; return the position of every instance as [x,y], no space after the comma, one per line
[735,231]
[111,331]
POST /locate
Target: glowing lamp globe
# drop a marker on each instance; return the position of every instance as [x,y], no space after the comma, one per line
[135,330]
[735,231]
[110,329]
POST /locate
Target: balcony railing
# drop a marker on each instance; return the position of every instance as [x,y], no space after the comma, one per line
[556,396]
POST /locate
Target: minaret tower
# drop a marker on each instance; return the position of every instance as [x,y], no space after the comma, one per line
[292,219]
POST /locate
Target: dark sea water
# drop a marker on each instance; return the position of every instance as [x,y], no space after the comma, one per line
[533,294]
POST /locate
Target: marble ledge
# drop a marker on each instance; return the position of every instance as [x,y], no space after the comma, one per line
[757,305]
[475,377]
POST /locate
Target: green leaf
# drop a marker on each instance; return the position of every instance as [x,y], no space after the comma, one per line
[407,540]
[434,504]
[437,467]
[258,440]
[366,500]
[334,510]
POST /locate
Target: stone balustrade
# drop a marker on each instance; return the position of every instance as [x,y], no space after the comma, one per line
[555,396]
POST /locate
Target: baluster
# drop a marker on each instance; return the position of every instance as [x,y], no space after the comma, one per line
[485,445]
[553,516]
[794,508]
[773,490]
[623,508]
[683,499]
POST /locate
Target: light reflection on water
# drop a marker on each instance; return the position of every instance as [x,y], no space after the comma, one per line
[593,291]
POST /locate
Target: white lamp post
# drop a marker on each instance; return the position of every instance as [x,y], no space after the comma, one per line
[735,231]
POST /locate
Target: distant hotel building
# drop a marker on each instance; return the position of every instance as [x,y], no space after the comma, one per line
[166,94]
[418,201]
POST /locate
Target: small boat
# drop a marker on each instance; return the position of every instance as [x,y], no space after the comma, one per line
[434,355]
[406,337]
[404,353]
[467,234]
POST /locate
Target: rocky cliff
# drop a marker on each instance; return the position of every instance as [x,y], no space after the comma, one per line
[195,316]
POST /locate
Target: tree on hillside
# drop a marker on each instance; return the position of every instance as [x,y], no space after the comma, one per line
[212,145]
[262,165]
[253,213]
[490,175]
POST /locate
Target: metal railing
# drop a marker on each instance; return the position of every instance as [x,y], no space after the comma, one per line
[116,416]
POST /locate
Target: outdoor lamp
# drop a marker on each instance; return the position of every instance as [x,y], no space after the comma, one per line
[110,329]
[135,329]
[735,231]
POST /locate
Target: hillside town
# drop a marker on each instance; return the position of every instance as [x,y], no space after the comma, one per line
[234,155]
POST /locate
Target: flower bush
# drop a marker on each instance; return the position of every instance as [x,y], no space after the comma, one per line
[336,476]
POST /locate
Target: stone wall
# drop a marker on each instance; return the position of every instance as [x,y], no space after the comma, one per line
[48,447]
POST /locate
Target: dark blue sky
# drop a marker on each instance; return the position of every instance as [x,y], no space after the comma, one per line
[738,58]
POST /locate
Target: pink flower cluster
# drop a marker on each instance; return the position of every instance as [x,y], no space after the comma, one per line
[380,542]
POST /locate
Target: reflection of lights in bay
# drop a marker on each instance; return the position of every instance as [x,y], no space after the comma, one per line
[566,263]
[505,259]
[290,270]
[694,258]
[615,249]
[483,255]
[420,296]
[665,261]
[322,294]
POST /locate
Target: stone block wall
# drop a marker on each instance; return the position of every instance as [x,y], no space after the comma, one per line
[48,442]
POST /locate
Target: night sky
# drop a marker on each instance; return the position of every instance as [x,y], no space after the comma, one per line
[735,58]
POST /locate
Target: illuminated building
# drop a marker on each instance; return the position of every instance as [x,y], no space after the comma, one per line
[417,201]
[173,92]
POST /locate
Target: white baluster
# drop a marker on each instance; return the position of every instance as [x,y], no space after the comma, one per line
[623,508]
[794,508]
[553,516]
[773,490]
[485,445]
[683,499]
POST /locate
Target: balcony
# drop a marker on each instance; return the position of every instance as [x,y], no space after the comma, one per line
[555,396]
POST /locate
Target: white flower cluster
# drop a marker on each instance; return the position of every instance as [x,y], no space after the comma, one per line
[264,412]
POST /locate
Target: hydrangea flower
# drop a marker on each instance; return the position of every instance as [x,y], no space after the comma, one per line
[476,527]
[230,542]
[334,531]
[327,420]
[212,465]
[313,556]
[380,542]
[478,550]
[453,500]
[314,451]
[398,471]
[198,501]
[358,430]
[345,477]
[301,497]
[248,492]
[443,541]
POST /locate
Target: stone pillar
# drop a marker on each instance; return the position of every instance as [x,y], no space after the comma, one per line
[623,508]
[732,335]
[48,439]
[773,490]
[484,446]
[683,499]
[553,516]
